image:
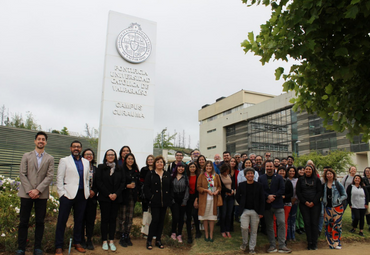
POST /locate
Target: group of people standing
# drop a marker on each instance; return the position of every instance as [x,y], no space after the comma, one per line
[273,194]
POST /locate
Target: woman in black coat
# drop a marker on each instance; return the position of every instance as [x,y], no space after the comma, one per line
[92,202]
[110,180]
[130,193]
[158,190]
[309,192]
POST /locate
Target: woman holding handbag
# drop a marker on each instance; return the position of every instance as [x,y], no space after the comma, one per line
[209,188]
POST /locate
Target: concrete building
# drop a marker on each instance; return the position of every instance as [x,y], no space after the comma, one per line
[254,122]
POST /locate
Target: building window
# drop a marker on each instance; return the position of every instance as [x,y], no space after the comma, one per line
[227,112]
[230,130]
[211,147]
[231,147]
[357,145]
[212,130]
[212,118]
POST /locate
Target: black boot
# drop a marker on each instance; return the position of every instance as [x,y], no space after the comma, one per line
[198,235]
[122,241]
[89,244]
[128,240]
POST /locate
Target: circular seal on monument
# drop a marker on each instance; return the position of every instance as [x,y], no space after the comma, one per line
[133,44]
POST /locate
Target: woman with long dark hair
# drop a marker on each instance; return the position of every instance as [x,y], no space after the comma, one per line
[208,186]
[333,196]
[293,177]
[130,194]
[192,172]
[309,193]
[201,163]
[299,223]
[158,187]
[122,154]
[227,193]
[180,184]
[110,180]
[358,199]
[92,202]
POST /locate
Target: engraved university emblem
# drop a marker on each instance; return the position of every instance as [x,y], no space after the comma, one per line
[133,44]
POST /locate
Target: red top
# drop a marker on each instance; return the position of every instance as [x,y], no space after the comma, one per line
[192,181]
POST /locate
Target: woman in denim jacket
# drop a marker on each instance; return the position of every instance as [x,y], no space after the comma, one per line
[333,197]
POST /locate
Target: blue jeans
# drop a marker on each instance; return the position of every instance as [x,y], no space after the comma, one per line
[291,222]
[226,213]
[321,219]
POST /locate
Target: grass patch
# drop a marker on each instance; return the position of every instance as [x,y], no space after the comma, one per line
[231,245]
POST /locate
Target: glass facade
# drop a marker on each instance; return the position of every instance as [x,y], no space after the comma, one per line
[275,132]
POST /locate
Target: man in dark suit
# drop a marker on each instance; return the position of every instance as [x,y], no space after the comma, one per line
[73,190]
[274,188]
[36,173]
[251,199]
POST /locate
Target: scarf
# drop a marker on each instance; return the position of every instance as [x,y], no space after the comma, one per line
[112,167]
[210,181]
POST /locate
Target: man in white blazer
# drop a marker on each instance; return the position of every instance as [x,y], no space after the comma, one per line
[36,173]
[73,191]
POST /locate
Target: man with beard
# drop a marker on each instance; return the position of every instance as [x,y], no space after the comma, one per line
[276,164]
[217,163]
[274,188]
[36,173]
[290,162]
[259,167]
[73,191]
[194,154]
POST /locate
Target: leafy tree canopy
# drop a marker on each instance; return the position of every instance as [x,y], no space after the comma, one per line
[163,140]
[329,39]
[339,161]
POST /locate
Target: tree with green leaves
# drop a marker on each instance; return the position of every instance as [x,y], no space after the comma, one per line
[64,131]
[330,43]
[163,140]
[338,160]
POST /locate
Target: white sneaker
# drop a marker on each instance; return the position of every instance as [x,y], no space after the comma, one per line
[338,247]
[112,247]
[105,246]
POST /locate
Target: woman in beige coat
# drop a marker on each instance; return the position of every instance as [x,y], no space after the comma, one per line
[209,188]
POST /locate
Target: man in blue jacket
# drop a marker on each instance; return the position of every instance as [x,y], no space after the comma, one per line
[274,188]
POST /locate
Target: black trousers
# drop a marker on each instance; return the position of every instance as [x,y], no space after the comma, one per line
[65,206]
[359,216]
[157,224]
[109,211]
[311,217]
[24,216]
[89,218]
[191,212]
[178,213]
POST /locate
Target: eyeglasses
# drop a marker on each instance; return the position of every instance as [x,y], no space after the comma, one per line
[110,155]
[88,154]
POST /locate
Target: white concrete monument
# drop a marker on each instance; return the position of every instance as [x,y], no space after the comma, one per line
[127,106]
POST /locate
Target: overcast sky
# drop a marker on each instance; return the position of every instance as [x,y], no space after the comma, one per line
[52,58]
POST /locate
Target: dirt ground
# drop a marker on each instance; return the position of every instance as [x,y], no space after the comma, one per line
[139,248]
